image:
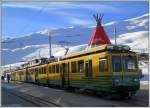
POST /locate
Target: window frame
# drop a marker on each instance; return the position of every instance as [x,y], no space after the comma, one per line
[73,67]
[49,69]
[44,70]
[119,64]
[57,68]
[79,66]
[53,68]
[103,60]
[135,63]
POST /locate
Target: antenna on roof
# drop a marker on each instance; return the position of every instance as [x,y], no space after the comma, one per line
[98,18]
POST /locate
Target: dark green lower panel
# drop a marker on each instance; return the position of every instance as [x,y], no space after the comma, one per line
[123,88]
[101,84]
[42,81]
[55,82]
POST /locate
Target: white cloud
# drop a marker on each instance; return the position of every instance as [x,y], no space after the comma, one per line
[20,5]
[58,8]
[38,5]
[61,5]
[98,7]
[110,23]
[78,21]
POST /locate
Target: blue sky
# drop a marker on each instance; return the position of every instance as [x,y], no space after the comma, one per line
[20,18]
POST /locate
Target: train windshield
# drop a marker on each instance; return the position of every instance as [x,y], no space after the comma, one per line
[129,63]
[116,64]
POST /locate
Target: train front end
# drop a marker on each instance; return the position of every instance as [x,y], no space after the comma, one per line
[125,71]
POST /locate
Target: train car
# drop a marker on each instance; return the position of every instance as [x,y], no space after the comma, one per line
[54,74]
[22,75]
[36,74]
[30,74]
[13,76]
[41,76]
[105,69]
[109,68]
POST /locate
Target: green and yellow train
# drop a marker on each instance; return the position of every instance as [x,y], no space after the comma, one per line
[105,69]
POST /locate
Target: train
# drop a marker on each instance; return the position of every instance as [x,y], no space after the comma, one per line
[105,69]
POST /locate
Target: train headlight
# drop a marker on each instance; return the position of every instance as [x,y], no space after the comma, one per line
[136,79]
[117,80]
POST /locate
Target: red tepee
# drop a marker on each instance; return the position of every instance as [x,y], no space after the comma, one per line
[99,36]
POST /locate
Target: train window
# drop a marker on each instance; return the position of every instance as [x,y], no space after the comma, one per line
[103,64]
[81,66]
[116,64]
[40,70]
[44,70]
[130,63]
[57,68]
[61,68]
[53,68]
[29,72]
[73,67]
[35,70]
[49,69]
[68,67]
[32,71]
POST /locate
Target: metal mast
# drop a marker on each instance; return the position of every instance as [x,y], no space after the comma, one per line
[115,35]
[49,36]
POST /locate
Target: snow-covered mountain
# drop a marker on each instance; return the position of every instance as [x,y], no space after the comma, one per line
[133,32]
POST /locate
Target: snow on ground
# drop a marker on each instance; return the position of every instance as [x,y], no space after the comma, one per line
[11,66]
[135,39]
[144,66]
[144,82]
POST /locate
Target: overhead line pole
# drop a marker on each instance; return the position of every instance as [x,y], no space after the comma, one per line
[49,36]
[115,35]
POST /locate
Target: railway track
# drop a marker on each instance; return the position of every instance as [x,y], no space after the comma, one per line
[37,101]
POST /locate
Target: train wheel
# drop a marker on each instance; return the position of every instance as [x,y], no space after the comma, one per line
[124,95]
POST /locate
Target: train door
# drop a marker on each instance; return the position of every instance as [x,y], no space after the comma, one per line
[65,75]
[27,74]
[36,74]
[62,74]
[20,76]
[117,66]
[88,68]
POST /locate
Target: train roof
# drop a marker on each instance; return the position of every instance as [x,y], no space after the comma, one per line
[102,48]
[85,51]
